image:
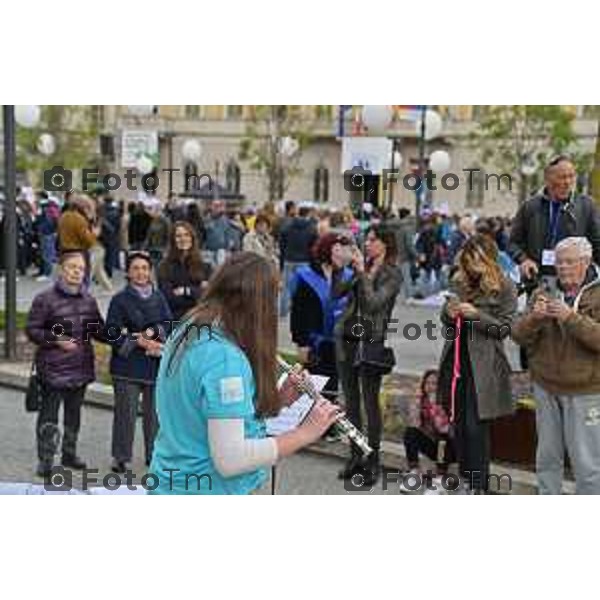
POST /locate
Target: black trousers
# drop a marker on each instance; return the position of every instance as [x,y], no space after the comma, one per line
[47,431]
[111,257]
[417,442]
[366,388]
[127,395]
[472,434]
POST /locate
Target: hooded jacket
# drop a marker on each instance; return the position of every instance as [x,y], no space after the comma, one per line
[564,358]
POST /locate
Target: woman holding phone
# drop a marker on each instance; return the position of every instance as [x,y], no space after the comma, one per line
[474,379]
[217,384]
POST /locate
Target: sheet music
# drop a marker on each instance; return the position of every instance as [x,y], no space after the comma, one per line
[290,417]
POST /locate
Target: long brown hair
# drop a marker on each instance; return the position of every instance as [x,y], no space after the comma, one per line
[242,296]
[192,260]
[478,269]
[383,233]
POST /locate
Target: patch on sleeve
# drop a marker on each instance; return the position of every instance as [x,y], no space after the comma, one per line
[232,390]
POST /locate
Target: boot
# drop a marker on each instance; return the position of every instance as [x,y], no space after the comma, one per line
[73,461]
[353,466]
[372,469]
[69,450]
[48,439]
[44,469]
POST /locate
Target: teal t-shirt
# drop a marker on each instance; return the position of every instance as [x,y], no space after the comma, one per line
[211,380]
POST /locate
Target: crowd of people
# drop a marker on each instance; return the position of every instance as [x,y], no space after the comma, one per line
[204,399]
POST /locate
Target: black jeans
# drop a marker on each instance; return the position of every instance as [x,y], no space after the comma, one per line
[356,386]
[417,442]
[472,434]
[47,431]
[111,257]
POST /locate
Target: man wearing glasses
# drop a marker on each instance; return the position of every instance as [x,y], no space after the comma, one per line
[549,217]
[561,333]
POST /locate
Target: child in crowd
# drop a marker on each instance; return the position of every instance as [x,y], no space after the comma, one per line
[427,434]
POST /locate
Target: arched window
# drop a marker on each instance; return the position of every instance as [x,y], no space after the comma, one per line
[234,111]
[233,177]
[475,183]
[191,177]
[321,184]
[192,111]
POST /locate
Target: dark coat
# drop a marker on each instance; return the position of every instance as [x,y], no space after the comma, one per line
[530,230]
[80,316]
[296,240]
[375,298]
[129,314]
[175,274]
[489,364]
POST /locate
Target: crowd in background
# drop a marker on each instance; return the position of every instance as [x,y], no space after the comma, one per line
[426,251]
[336,271]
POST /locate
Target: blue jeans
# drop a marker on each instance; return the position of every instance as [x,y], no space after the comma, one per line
[408,287]
[48,253]
[289,270]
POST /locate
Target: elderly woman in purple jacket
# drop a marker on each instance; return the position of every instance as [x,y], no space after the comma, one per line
[62,322]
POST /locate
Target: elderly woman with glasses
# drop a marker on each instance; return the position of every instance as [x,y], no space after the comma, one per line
[62,322]
[561,332]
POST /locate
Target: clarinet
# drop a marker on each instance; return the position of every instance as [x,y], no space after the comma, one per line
[342,423]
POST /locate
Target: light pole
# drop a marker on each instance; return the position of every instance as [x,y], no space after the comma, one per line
[10,234]
[26,116]
[421,191]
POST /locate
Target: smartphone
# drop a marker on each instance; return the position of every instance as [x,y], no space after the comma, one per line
[550,287]
[450,296]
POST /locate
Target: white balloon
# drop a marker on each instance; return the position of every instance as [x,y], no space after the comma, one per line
[397,159]
[289,146]
[528,168]
[376,117]
[140,110]
[144,164]
[46,144]
[433,125]
[191,150]
[28,116]
[439,161]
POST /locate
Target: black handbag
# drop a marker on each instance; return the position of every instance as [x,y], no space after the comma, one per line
[34,393]
[374,358]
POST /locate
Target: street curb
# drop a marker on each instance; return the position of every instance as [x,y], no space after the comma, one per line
[393,457]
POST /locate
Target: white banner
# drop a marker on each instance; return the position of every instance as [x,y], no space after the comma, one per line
[135,143]
[371,153]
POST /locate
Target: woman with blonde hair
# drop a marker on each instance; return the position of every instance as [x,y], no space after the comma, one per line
[474,379]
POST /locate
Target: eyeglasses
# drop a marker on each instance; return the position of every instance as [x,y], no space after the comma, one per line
[138,254]
[568,262]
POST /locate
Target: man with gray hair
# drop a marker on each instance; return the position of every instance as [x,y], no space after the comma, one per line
[561,333]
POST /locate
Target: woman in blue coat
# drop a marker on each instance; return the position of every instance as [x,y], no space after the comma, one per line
[138,322]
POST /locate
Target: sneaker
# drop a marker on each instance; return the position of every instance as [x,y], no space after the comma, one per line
[42,278]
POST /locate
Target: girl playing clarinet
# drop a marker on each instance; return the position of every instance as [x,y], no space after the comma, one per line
[217,384]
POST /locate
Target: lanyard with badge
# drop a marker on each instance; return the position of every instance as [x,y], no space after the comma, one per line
[549,255]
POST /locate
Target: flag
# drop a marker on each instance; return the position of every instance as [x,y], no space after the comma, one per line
[408,112]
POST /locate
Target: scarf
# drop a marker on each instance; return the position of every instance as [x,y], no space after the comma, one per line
[144,291]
